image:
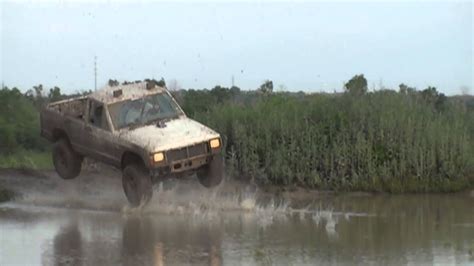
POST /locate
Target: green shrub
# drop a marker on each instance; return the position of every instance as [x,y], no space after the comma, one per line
[382,141]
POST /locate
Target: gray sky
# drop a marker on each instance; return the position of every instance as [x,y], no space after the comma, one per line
[304,46]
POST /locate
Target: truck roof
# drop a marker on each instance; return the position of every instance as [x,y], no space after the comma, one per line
[126,92]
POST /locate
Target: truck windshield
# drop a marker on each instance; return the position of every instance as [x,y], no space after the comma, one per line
[143,111]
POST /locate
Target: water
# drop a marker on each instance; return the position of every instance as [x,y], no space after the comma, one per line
[69,223]
[371,230]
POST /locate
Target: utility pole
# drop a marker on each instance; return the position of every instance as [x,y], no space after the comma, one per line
[232,80]
[95,73]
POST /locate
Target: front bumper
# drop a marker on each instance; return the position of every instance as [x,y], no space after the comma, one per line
[181,166]
[184,159]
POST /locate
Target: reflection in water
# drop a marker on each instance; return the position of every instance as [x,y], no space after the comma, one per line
[142,241]
[378,230]
[68,246]
[154,242]
[138,241]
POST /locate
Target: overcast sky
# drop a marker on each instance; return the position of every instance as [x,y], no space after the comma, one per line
[303,46]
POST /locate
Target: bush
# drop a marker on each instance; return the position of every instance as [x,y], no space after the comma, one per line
[378,141]
[19,122]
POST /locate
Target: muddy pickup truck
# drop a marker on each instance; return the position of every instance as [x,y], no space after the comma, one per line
[138,128]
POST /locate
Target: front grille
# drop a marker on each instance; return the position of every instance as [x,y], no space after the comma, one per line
[187,152]
[197,149]
[176,155]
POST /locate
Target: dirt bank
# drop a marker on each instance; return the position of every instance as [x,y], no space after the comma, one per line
[5,195]
[99,187]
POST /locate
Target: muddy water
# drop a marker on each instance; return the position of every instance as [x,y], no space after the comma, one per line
[184,227]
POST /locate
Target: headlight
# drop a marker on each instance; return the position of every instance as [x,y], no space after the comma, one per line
[158,157]
[215,143]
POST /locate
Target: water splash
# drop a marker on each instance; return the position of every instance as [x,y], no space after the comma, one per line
[185,197]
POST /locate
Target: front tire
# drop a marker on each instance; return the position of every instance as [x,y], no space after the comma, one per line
[212,174]
[137,185]
[66,161]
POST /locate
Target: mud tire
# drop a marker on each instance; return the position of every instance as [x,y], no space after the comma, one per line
[137,185]
[212,174]
[66,161]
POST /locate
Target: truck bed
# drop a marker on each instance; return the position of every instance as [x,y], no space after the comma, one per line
[71,107]
[55,115]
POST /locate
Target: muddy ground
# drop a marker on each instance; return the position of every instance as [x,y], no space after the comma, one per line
[99,187]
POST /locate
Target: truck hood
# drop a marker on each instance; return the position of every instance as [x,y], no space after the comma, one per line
[177,133]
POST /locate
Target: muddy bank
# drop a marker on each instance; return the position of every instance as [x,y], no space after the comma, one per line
[99,188]
[45,187]
[5,195]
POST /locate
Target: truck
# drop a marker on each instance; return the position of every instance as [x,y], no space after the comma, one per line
[138,128]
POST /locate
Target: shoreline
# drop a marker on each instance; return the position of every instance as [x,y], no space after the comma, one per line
[14,182]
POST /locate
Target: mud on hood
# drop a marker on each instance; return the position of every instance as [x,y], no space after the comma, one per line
[176,133]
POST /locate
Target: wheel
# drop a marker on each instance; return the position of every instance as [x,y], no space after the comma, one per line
[137,185]
[212,174]
[66,161]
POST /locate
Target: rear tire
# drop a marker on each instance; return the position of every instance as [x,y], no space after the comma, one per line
[137,185]
[66,161]
[212,174]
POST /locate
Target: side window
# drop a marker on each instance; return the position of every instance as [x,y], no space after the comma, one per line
[97,115]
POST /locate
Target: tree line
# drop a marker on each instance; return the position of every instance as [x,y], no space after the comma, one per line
[405,140]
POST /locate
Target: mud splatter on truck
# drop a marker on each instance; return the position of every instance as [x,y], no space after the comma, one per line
[138,128]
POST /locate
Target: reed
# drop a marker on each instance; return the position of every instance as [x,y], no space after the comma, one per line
[381,141]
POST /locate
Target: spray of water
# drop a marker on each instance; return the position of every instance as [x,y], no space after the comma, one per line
[188,197]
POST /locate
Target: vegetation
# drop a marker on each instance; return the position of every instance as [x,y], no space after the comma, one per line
[19,122]
[382,141]
[373,141]
[357,85]
[27,159]
[21,145]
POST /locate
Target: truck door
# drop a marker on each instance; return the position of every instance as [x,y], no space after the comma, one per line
[98,134]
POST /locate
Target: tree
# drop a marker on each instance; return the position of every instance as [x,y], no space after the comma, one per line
[433,97]
[197,101]
[54,94]
[429,94]
[357,85]
[38,91]
[234,90]
[38,100]
[221,94]
[405,89]
[266,87]
[19,122]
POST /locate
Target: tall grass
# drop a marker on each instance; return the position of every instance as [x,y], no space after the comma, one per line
[383,141]
[27,159]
